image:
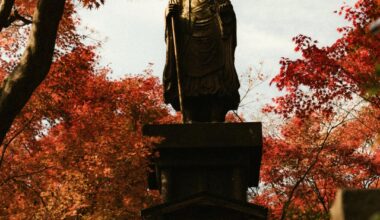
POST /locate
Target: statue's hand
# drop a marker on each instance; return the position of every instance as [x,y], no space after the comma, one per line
[225,8]
[174,9]
[227,17]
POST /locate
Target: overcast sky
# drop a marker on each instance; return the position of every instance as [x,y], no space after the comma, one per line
[134,31]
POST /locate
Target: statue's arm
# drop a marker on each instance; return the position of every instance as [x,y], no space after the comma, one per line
[172,10]
[227,17]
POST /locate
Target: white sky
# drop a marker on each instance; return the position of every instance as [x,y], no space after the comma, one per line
[134,32]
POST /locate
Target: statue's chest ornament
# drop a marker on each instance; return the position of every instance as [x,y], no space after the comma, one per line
[192,9]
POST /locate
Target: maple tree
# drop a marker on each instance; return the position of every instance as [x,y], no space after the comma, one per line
[77,147]
[340,71]
[325,144]
[26,71]
[312,157]
[35,62]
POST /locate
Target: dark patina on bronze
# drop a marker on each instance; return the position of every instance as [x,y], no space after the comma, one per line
[204,38]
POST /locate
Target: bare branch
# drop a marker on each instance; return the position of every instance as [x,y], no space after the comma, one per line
[238,116]
[355,116]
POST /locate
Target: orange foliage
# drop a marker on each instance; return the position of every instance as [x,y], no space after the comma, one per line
[313,157]
[80,151]
[323,144]
[340,71]
[76,149]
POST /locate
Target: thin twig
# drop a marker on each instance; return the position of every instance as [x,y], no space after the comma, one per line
[6,145]
[319,195]
[322,146]
[24,175]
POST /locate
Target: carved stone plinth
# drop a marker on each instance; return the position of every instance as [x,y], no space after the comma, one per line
[356,204]
[205,169]
[203,206]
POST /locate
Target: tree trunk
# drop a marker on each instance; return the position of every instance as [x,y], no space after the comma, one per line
[5,12]
[34,65]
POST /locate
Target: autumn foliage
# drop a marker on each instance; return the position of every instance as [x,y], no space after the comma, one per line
[76,149]
[331,110]
[337,72]
[310,157]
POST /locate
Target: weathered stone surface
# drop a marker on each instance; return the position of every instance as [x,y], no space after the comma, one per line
[356,205]
[204,206]
[220,135]
[220,158]
[205,169]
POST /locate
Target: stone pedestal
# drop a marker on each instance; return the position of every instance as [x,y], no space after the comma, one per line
[205,169]
[356,204]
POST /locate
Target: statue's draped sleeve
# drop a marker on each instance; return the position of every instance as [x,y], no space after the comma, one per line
[170,73]
[228,26]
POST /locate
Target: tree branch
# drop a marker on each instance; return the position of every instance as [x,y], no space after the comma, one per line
[319,195]
[28,186]
[35,63]
[5,145]
[17,17]
[300,180]
[312,165]
[24,175]
[5,12]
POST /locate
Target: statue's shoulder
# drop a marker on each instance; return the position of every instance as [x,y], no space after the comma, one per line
[220,2]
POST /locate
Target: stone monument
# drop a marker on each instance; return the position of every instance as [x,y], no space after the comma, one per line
[205,165]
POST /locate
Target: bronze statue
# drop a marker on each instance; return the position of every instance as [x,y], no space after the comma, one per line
[201,42]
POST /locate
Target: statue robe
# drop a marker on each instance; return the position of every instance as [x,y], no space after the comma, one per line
[206,42]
